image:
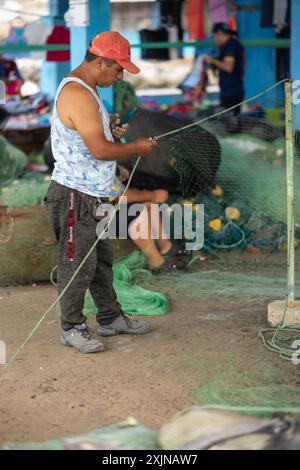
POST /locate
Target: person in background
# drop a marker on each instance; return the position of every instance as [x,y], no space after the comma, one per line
[231,65]
[10,75]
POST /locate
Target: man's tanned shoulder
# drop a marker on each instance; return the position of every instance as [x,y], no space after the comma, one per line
[75,93]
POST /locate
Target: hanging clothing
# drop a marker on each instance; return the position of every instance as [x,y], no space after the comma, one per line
[170,12]
[232,22]
[158,35]
[16,36]
[9,72]
[173,37]
[191,81]
[36,33]
[59,35]
[218,11]
[171,18]
[267,13]
[195,19]
[280,14]
[155,15]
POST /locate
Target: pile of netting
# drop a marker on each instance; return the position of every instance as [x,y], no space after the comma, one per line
[246,205]
[253,399]
[135,300]
[19,187]
[26,245]
[27,191]
[244,196]
[12,162]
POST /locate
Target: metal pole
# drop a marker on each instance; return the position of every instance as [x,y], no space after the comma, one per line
[290,194]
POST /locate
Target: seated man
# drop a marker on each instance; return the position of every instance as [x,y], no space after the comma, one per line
[156,246]
[159,253]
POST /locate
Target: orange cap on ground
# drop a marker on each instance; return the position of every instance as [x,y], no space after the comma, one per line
[114,46]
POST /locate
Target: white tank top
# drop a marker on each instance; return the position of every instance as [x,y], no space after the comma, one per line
[75,167]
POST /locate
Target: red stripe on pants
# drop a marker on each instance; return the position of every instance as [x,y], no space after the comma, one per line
[71,226]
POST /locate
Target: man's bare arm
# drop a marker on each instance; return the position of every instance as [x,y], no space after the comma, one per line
[83,111]
[227,65]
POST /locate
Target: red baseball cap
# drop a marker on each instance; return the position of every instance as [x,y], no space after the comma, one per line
[112,45]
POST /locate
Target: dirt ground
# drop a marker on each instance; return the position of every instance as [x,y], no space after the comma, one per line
[51,391]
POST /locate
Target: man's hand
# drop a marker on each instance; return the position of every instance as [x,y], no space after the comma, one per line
[118,131]
[209,60]
[124,173]
[144,146]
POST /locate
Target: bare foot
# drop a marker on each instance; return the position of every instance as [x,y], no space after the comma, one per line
[155,261]
[165,246]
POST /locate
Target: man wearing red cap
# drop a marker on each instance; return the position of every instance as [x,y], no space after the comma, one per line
[84,176]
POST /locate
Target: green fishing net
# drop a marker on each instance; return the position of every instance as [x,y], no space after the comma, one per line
[244,253]
[12,162]
[256,400]
[124,96]
[236,168]
[29,190]
[135,300]
[128,434]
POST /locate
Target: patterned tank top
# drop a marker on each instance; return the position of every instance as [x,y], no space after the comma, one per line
[75,167]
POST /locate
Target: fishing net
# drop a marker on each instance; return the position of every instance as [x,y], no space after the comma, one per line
[235,165]
[29,251]
[124,96]
[256,400]
[239,177]
[135,300]
[129,434]
[29,190]
[12,162]
[242,184]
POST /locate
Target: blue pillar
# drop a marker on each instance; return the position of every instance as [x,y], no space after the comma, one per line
[261,61]
[295,62]
[99,20]
[53,72]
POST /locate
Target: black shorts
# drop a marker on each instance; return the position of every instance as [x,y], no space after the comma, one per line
[229,101]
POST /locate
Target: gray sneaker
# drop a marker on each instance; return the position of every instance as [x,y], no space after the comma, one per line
[79,337]
[125,325]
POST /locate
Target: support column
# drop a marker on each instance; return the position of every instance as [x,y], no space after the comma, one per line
[53,72]
[99,20]
[261,61]
[295,62]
